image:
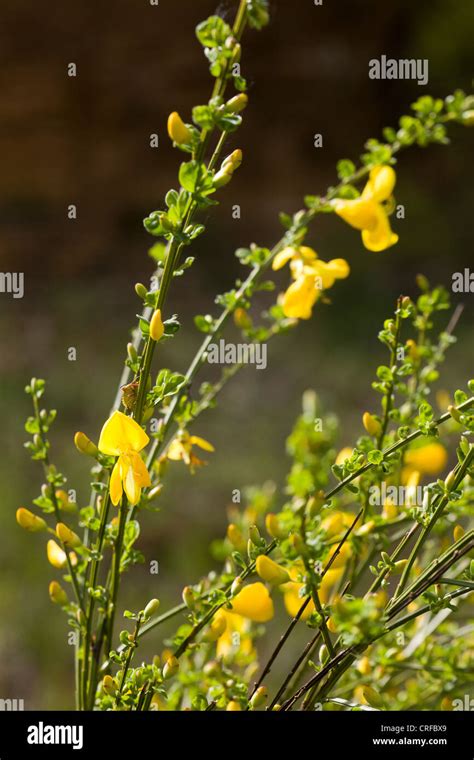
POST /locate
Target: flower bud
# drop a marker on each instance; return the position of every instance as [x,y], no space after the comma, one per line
[237,103]
[458,532]
[373,426]
[372,697]
[234,534]
[29,521]
[109,685]
[365,529]
[85,445]
[450,480]
[177,129]
[242,319]
[64,504]
[413,352]
[331,625]
[171,667]
[56,556]
[233,706]
[323,654]
[141,290]
[216,629]
[297,543]
[156,326]
[188,597]
[468,118]
[132,352]
[151,608]
[232,162]
[399,566]
[270,571]
[363,666]
[254,535]
[273,527]
[313,507]
[259,697]
[222,178]
[57,594]
[236,586]
[67,536]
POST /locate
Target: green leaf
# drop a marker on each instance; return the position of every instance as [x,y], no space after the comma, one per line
[213,32]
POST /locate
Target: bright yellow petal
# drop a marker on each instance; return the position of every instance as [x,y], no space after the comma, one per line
[283,257]
[130,484]
[142,476]
[56,556]
[121,434]
[360,213]
[175,450]
[300,298]
[307,254]
[339,268]
[254,602]
[325,276]
[380,237]
[381,183]
[195,440]
[430,459]
[329,582]
[342,558]
[115,487]
[293,602]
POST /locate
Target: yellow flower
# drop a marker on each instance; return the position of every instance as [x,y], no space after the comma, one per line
[336,523]
[270,571]
[368,213]
[57,594]
[181,447]
[29,521]
[177,129]
[311,276]
[293,600]
[157,327]
[57,557]
[122,437]
[254,602]
[234,641]
[429,459]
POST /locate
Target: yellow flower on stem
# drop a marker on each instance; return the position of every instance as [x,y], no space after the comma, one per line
[429,459]
[57,557]
[181,448]
[122,437]
[368,213]
[254,602]
[292,598]
[311,277]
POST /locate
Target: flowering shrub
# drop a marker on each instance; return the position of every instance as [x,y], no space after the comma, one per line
[377,575]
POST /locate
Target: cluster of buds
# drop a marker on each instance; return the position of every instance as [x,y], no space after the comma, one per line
[228,167]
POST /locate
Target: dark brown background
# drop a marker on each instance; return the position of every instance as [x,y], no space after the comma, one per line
[85,140]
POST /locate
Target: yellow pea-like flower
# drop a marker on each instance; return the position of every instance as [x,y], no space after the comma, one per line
[29,521]
[67,536]
[367,212]
[429,459]
[57,557]
[270,571]
[372,425]
[181,448]
[85,445]
[233,706]
[311,277]
[122,437]
[341,558]
[273,526]
[57,594]
[254,602]
[157,327]
[177,129]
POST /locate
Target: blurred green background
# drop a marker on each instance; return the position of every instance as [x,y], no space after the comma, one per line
[86,141]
